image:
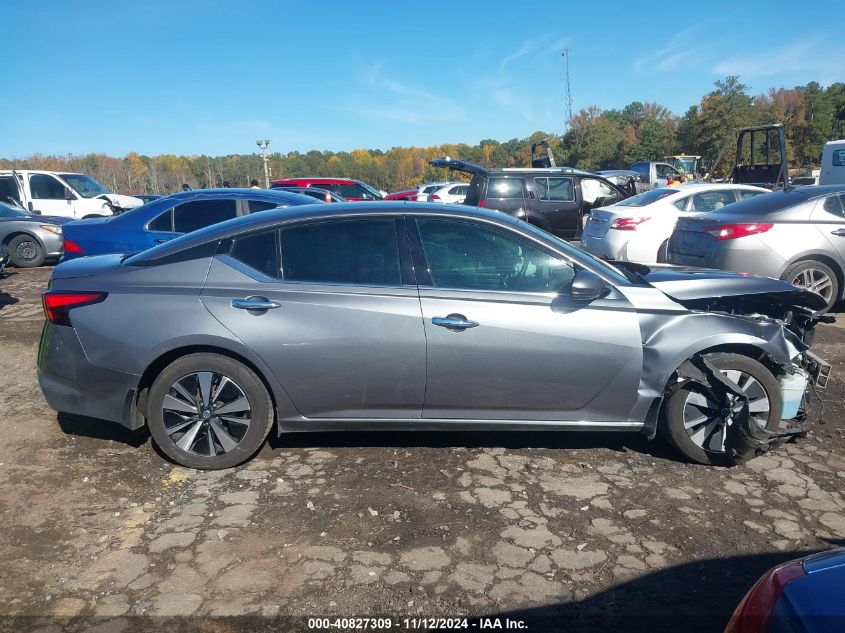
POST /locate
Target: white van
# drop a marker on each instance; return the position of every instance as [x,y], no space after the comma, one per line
[60,193]
[833,163]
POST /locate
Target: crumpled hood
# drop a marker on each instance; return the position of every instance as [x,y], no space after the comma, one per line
[121,201]
[689,284]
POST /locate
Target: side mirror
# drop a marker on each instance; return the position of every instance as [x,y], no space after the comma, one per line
[587,286]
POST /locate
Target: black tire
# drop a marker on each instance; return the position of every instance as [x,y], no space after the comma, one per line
[672,413]
[663,253]
[26,251]
[244,379]
[811,269]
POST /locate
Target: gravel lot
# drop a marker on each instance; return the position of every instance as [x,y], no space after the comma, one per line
[572,530]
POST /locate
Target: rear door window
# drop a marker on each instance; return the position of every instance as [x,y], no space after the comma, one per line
[197,214]
[505,188]
[361,252]
[555,189]
[261,205]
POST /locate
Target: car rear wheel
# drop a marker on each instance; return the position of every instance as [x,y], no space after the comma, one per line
[209,411]
[26,252]
[816,277]
[696,423]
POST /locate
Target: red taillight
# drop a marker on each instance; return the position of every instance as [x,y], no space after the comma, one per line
[73,247]
[482,203]
[413,198]
[433,197]
[752,614]
[733,231]
[627,224]
[58,304]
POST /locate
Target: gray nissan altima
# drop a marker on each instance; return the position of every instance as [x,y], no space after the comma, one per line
[416,316]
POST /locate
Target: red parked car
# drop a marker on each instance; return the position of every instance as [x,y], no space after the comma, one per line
[352,190]
[405,194]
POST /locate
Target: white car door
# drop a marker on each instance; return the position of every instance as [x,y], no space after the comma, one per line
[49,196]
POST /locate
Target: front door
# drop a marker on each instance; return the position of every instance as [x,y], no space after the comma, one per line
[555,199]
[505,340]
[49,196]
[340,330]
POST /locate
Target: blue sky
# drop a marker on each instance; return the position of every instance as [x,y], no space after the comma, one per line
[191,77]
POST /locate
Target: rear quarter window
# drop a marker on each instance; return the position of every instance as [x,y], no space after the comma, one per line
[505,188]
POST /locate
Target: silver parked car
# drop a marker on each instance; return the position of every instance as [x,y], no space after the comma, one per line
[381,315]
[797,235]
[30,239]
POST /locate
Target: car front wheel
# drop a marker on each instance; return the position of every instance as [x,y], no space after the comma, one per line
[209,411]
[26,252]
[695,420]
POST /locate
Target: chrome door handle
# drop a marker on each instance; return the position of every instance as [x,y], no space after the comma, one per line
[454,322]
[839,232]
[255,303]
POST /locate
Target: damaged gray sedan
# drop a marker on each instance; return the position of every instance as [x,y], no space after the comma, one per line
[393,316]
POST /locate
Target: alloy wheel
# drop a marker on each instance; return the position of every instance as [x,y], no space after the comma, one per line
[815,280]
[206,413]
[706,421]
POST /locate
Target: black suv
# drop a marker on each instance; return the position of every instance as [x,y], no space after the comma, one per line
[554,198]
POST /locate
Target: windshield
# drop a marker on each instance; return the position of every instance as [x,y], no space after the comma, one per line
[370,190]
[647,197]
[85,186]
[8,211]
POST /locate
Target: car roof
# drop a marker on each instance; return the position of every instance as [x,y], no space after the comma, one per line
[234,192]
[317,211]
[314,179]
[781,199]
[705,186]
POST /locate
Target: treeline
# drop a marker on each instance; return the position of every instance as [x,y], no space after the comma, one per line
[597,139]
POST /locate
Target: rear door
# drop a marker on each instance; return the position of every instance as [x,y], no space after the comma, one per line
[556,200]
[829,218]
[505,341]
[187,217]
[344,333]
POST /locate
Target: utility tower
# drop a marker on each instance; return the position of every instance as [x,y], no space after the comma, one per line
[568,88]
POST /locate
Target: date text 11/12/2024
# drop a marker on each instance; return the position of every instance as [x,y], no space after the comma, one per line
[417,623]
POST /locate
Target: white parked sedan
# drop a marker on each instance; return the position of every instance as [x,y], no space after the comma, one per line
[454,193]
[637,229]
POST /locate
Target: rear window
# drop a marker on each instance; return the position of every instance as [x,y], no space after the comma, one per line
[505,188]
[839,158]
[647,197]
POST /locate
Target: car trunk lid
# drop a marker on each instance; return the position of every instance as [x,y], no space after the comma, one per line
[87,266]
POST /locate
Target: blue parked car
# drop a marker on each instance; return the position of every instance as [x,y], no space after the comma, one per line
[168,217]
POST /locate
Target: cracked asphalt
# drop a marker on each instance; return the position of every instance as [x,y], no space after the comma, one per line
[99,532]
